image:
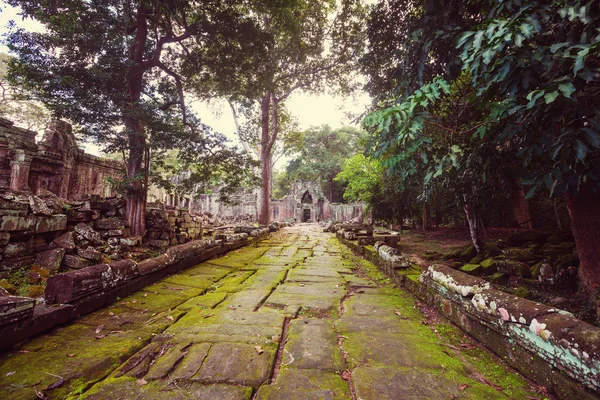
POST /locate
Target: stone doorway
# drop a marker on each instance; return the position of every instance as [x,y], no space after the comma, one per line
[305,215]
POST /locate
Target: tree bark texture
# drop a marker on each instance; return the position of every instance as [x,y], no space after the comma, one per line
[584,211]
[521,208]
[265,203]
[471,215]
[425,217]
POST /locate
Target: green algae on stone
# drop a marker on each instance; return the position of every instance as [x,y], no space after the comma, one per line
[128,388]
[303,384]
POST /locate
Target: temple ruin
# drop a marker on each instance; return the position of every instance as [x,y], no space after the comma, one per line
[55,164]
[305,202]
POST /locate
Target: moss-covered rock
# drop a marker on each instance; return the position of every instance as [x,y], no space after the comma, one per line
[473,269]
[522,292]
[34,291]
[517,254]
[498,278]
[9,287]
[468,253]
[489,265]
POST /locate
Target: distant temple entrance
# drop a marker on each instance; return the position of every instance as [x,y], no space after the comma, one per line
[306,215]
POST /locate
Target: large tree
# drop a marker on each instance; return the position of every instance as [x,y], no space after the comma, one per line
[311,45]
[535,70]
[321,154]
[115,68]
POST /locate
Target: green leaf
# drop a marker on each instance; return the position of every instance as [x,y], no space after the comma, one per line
[531,192]
[550,97]
[557,46]
[455,148]
[566,89]
[463,37]
[593,137]
[581,149]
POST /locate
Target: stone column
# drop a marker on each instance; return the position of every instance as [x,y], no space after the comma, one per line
[19,176]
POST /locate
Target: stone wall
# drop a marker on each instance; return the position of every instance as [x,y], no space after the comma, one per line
[54,164]
[305,203]
[71,294]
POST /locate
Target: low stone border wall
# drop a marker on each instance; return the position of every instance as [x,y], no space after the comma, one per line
[548,345]
[71,294]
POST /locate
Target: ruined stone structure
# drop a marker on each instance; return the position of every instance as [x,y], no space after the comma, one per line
[305,203]
[55,163]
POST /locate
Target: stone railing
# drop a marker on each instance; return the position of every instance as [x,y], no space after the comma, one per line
[548,345]
[77,292]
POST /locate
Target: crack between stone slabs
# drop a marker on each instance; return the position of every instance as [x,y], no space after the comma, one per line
[279,356]
[347,374]
[264,299]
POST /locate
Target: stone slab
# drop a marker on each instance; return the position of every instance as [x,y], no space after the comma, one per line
[312,344]
[306,384]
[236,363]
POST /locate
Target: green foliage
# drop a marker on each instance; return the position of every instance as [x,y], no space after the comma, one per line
[363,177]
[117,68]
[15,104]
[542,60]
[528,91]
[321,153]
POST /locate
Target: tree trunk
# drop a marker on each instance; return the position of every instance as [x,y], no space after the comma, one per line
[584,210]
[425,217]
[521,208]
[330,180]
[471,214]
[265,204]
[137,166]
[136,172]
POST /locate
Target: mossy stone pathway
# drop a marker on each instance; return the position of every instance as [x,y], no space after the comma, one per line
[294,317]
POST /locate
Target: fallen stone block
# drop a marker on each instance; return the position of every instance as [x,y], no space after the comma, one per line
[89,234]
[50,259]
[191,249]
[52,223]
[18,223]
[66,241]
[119,272]
[154,264]
[90,254]
[13,309]
[38,206]
[366,240]
[158,243]
[109,224]
[76,262]
[131,241]
[74,285]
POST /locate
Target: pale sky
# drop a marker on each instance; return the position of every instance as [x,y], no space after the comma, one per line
[310,110]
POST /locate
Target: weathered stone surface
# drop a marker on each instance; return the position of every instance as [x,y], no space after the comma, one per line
[38,207]
[307,384]
[90,254]
[52,224]
[76,262]
[389,383]
[69,286]
[88,233]
[18,223]
[131,241]
[154,264]
[13,309]
[50,259]
[66,241]
[109,224]
[236,363]
[18,249]
[312,344]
